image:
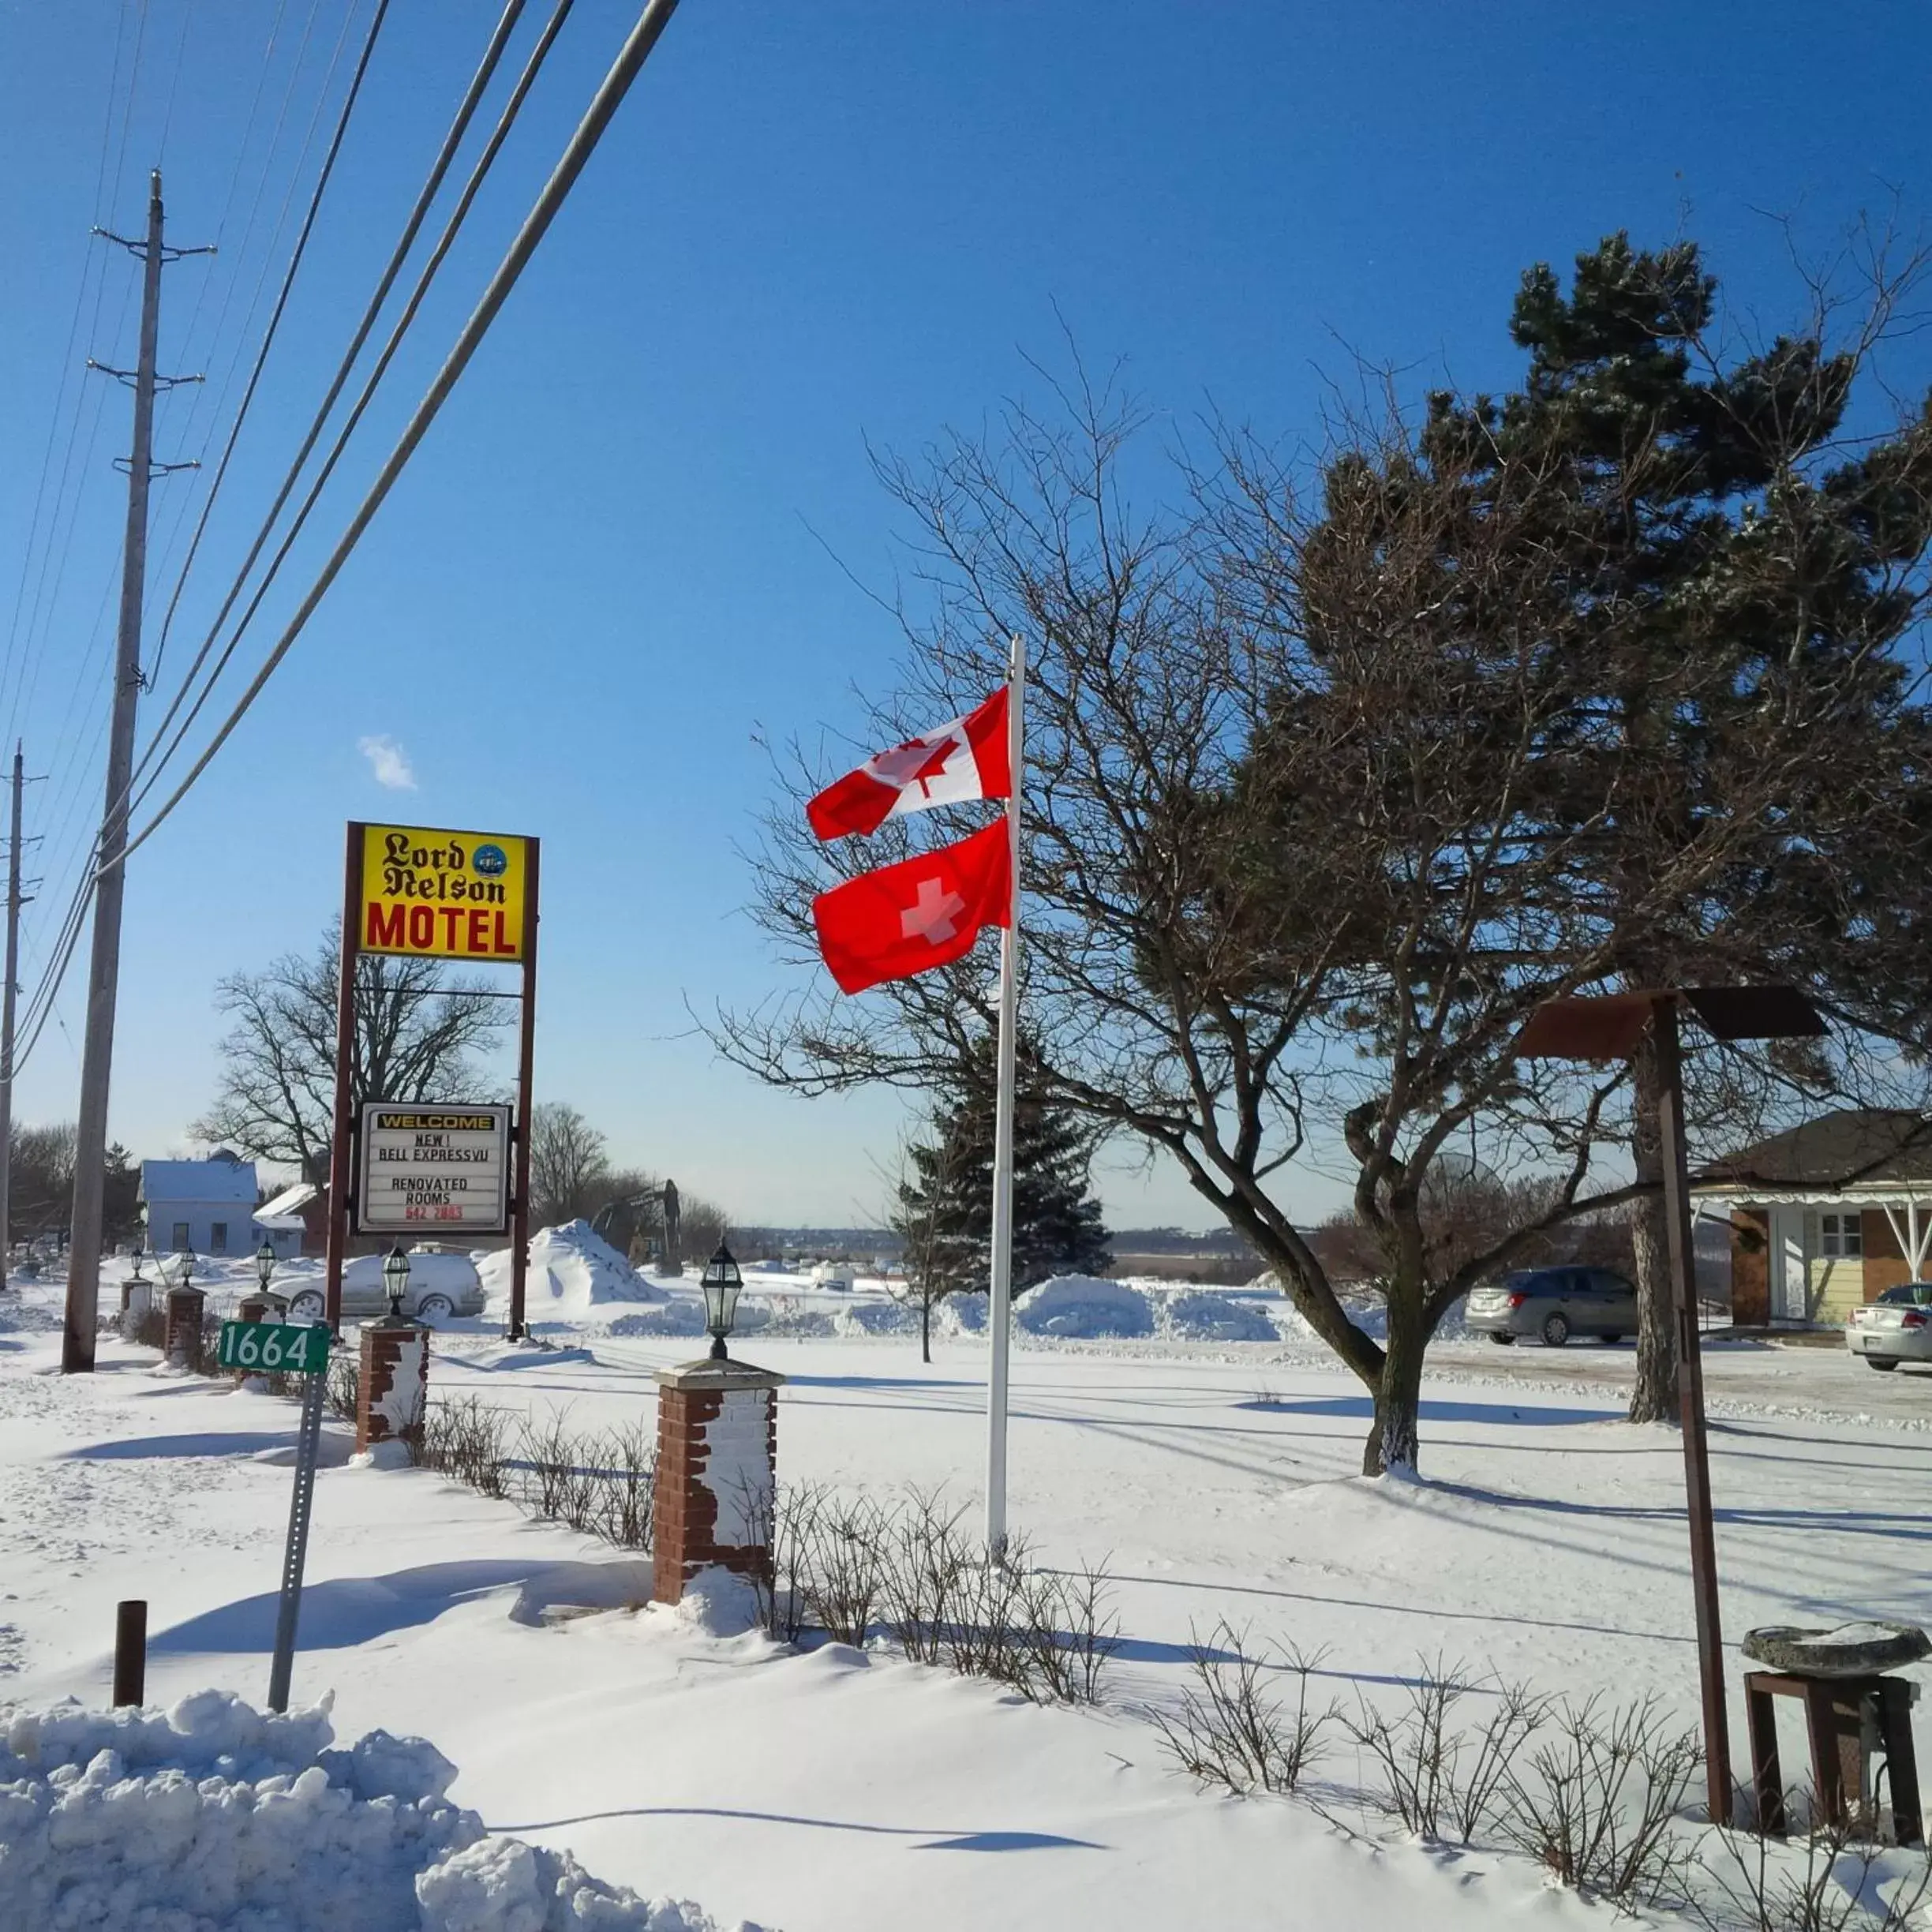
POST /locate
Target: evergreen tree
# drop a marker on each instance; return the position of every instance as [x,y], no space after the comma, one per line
[1738,579]
[945,1209]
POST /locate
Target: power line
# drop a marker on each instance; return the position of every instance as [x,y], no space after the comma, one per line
[583,143]
[281,302]
[466,108]
[505,121]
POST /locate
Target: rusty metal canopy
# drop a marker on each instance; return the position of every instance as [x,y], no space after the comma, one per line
[1607,1026]
[1755,1012]
[1603,1026]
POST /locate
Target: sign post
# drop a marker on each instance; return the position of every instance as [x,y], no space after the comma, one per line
[414,893]
[287,1348]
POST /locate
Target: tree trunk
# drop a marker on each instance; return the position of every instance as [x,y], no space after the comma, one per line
[1392,1442]
[1654,1399]
[926,1328]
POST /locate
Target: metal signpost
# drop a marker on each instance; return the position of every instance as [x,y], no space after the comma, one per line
[420,894]
[287,1348]
[440,1168]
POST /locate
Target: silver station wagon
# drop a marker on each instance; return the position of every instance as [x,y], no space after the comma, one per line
[1553,1303]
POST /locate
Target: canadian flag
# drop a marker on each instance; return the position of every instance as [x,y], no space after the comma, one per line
[966,758]
[920,913]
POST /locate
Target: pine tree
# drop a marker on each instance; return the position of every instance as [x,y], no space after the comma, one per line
[945,1209]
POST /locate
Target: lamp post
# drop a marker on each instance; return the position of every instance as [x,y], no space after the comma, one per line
[1609,1026]
[185,1259]
[264,1264]
[722,1282]
[140,1255]
[395,1272]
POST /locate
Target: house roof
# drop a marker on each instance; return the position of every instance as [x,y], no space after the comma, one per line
[290,1201]
[222,1179]
[1855,1151]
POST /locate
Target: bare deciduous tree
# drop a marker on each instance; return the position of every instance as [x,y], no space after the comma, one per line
[416,1031]
[569,1166]
[1322,804]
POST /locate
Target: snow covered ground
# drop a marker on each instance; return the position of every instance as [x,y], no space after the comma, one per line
[838,1790]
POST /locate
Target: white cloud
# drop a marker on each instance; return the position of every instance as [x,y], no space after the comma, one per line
[389,763]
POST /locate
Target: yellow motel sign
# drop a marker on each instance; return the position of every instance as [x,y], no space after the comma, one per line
[445,895]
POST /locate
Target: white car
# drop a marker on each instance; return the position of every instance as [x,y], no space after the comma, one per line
[439,1285]
[1895,1328]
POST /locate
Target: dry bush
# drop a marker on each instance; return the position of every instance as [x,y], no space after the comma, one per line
[1442,1781]
[467,1439]
[1745,1885]
[925,1577]
[1229,1731]
[842,1567]
[1596,1802]
[343,1395]
[845,1568]
[548,1464]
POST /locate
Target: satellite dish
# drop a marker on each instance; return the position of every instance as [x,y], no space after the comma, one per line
[1452,1173]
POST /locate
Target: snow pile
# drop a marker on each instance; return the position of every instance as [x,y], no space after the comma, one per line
[1085,1306]
[680,1316]
[1195,1315]
[1369,1313]
[572,1272]
[212,1816]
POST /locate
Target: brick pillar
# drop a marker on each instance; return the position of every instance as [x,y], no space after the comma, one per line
[182,1338]
[717,1461]
[251,1308]
[394,1385]
[137,1299]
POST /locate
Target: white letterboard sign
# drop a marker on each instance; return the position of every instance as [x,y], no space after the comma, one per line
[429,1170]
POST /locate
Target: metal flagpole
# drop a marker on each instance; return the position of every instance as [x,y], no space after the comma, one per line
[999,1315]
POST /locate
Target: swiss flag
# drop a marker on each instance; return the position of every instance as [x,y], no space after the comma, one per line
[966,758]
[922,912]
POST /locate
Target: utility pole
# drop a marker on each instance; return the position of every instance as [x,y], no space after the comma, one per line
[14,902]
[104,969]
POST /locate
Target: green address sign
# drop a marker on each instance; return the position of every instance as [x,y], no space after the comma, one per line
[287,1348]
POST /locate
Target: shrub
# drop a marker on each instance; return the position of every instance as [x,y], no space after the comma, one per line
[1597,1800]
[1229,1732]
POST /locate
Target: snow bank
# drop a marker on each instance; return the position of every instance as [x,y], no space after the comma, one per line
[1085,1306]
[1368,1312]
[680,1316]
[211,1817]
[1192,1314]
[572,1273]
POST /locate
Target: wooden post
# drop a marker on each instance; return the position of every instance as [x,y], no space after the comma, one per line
[130,1663]
[340,1167]
[526,1050]
[1691,1409]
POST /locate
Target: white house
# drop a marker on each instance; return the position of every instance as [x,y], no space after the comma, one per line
[206,1206]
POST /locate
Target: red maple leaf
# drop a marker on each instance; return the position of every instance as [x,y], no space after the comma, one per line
[917,761]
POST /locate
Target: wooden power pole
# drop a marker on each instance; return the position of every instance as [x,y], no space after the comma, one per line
[104,969]
[14,902]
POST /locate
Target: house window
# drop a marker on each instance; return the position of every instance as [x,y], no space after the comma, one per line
[181,1236]
[218,1238]
[1841,1236]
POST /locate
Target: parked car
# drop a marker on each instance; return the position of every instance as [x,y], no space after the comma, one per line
[1554,1303]
[1895,1328]
[440,1285]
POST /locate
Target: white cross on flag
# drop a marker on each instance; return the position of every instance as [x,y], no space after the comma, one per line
[923,913]
[965,758]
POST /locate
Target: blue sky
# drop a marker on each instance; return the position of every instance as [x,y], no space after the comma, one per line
[608,570]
